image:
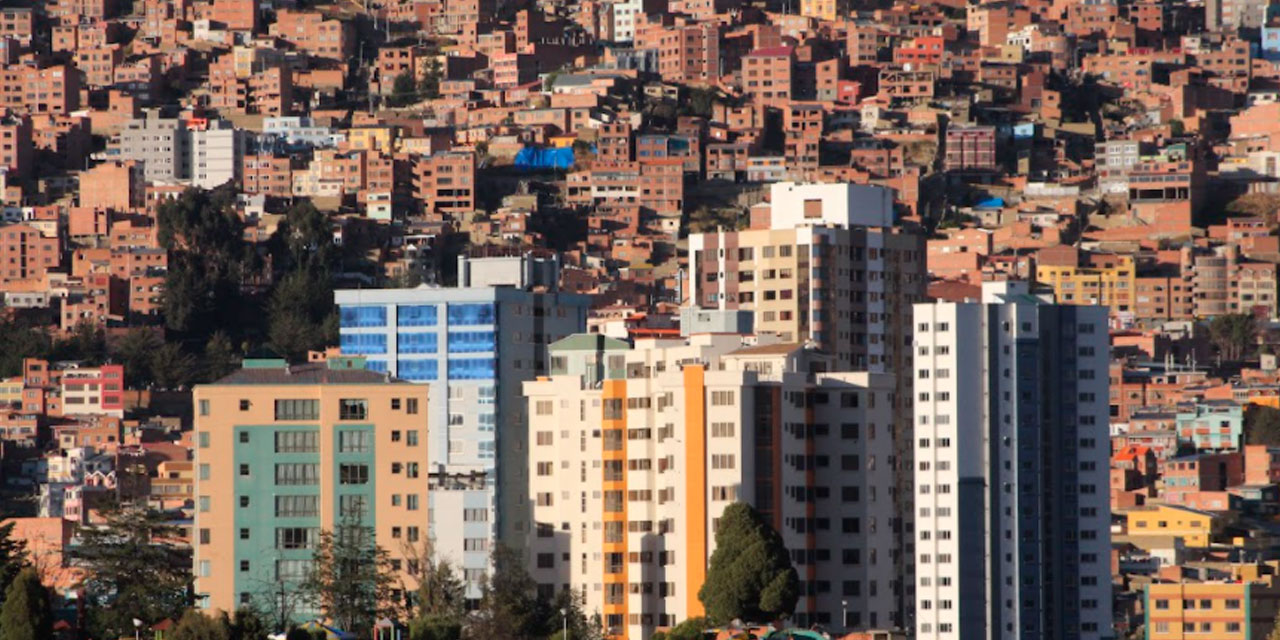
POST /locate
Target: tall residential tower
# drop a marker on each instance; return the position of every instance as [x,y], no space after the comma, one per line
[1012,475]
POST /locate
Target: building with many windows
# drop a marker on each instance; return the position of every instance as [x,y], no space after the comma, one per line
[473,346]
[1012,485]
[286,451]
[636,451]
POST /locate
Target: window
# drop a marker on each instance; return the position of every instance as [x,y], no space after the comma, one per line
[722,461]
[353,409]
[244,405]
[244,470]
[297,506]
[722,430]
[354,317]
[204,407]
[363,343]
[417,343]
[722,398]
[471,368]
[297,442]
[411,408]
[471,314]
[411,436]
[411,502]
[203,437]
[418,371]
[291,474]
[353,474]
[352,441]
[416,316]
[295,537]
[297,409]
[353,506]
[292,570]
[471,341]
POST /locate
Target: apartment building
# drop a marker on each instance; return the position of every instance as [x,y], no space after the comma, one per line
[161,144]
[27,252]
[1237,604]
[217,154]
[53,89]
[286,451]
[474,344]
[767,75]
[445,182]
[635,452]
[971,148]
[1106,280]
[1011,468]
[828,268]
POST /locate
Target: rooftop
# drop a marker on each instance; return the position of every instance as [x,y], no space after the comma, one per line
[308,373]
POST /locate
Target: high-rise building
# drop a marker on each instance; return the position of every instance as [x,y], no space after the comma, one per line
[1012,480]
[284,452]
[217,154]
[474,345]
[828,267]
[636,451]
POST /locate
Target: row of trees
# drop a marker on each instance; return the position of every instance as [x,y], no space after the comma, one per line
[135,570]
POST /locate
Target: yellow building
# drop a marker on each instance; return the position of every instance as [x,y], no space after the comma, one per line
[370,138]
[1111,285]
[11,391]
[284,452]
[828,10]
[1227,608]
[1195,527]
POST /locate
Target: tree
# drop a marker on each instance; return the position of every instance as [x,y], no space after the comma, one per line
[302,315]
[1275,629]
[195,625]
[1235,335]
[13,558]
[26,613]
[430,85]
[171,367]
[219,357]
[691,629]
[1262,426]
[18,342]
[86,342]
[435,628]
[510,606]
[248,625]
[351,578]
[750,576]
[441,593]
[404,90]
[135,351]
[133,570]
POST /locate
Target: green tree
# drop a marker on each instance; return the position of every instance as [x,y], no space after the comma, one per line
[429,86]
[441,594]
[435,628]
[302,315]
[510,605]
[248,625]
[171,367]
[133,570]
[351,578]
[13,557]
[404,90]
[1262,426]
[220,357]
[86,342]
[26,613]
[691,629]
[750,576]
[135,351]
[18,342]
[1235,335]
[195,625]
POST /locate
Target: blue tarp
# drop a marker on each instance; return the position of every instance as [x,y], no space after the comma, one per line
[534,158]
[991,203]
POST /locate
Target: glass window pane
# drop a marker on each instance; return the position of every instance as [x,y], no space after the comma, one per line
[471,341]
[363,343]
[416,316]
[471,368]
[471,314]
[417,342]
[417,369]
[363,317]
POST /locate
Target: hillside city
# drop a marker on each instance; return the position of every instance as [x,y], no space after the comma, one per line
[639,319]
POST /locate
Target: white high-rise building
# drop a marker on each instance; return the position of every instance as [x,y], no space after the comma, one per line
[1011,476]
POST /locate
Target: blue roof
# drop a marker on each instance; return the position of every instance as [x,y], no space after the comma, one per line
[991,203]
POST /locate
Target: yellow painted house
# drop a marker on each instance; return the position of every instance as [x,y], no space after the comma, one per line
[1195,527]
[1110,286]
